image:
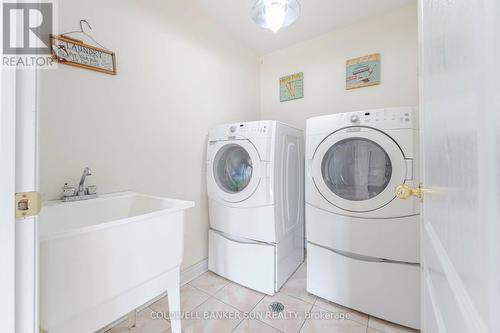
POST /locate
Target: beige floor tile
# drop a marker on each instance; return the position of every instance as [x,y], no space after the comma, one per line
[209,282]
[241,298]
[372,330]
[322,321]
[388,327]
[214,323]
[336,308]
[190,299]
[290,320]
[145,324]
[254,326]
[296,285]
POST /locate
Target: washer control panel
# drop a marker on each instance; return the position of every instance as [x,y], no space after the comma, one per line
[249,129]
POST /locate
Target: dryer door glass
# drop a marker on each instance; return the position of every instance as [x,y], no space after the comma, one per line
[356,169]
[232,168]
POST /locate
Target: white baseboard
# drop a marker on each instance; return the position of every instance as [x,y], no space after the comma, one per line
[187,275]
[192,272]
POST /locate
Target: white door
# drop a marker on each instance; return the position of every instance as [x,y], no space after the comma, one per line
[7,191]
[18,173]
[460,124]
[26,180]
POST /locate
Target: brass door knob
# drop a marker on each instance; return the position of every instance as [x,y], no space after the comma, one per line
[404,192]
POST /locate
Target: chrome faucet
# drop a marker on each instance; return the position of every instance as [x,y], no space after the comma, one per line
[81,188]
[70,193]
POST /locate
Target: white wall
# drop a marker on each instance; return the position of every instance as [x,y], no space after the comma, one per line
[179,73]
[393,35]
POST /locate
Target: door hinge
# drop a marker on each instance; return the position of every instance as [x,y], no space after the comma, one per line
[28,204]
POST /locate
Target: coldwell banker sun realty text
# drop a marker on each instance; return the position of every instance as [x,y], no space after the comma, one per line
[26,30]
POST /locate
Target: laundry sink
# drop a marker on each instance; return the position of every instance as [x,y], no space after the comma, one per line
[104,257]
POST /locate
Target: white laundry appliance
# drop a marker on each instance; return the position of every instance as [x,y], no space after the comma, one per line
[362,241]
[255,183]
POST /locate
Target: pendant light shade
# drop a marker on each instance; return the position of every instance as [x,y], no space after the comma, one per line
[275,14]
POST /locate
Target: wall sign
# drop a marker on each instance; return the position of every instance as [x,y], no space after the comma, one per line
[292,87]
[74,52]
[363,71]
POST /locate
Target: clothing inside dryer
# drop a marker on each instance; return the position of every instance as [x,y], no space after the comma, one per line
[356,169]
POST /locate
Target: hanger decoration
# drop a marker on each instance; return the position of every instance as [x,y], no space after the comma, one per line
[74,52]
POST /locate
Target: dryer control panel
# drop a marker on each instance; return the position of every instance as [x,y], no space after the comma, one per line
[383,119]
[379,118]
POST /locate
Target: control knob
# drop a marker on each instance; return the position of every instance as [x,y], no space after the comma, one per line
[354,118]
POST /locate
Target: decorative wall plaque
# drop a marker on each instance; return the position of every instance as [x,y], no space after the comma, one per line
[292,87]
[363,71]
[74,52]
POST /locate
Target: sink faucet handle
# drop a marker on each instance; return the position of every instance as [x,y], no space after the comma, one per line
[91,189]
[68,191]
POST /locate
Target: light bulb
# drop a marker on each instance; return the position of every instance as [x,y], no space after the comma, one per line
[275,15]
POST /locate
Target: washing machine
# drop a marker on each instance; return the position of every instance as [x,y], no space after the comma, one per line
[255,183]
[362,241]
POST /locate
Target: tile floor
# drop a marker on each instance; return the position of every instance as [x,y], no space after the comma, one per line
[211,295]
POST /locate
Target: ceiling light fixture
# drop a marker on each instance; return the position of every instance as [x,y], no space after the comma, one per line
[275,14]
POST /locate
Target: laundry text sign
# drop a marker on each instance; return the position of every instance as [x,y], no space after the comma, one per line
[74,52]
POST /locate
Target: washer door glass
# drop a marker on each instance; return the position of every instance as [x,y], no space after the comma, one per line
[356,169]
[233,168]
